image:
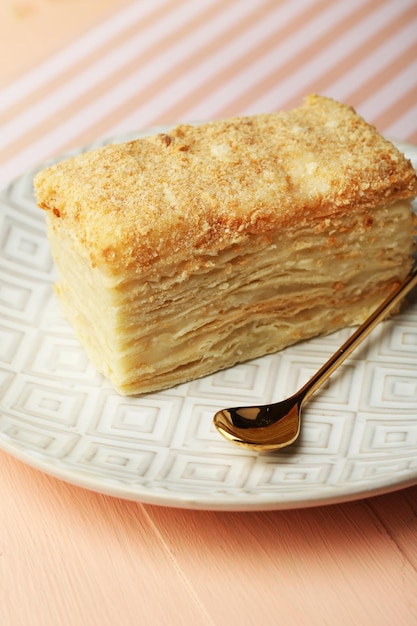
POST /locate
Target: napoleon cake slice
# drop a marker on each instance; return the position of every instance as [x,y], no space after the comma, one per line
[185,253]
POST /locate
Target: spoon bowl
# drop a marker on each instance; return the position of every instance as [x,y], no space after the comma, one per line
[263,428]
[270,427]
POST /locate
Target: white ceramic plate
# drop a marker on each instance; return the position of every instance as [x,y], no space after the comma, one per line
[359,434]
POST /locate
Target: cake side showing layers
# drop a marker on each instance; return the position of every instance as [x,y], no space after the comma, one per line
[186,253]
[146,333]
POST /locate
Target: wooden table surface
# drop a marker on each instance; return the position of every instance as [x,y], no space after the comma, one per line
[73,71]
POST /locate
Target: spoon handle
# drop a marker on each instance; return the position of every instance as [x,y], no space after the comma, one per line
[357,337]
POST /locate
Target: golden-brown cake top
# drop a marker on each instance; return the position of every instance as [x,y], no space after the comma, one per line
[198,189]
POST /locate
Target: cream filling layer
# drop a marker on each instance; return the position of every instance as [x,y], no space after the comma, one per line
[148,332]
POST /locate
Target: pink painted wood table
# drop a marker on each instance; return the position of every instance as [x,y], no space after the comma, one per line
[135,512]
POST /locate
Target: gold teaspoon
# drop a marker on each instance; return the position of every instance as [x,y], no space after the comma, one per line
[272,426]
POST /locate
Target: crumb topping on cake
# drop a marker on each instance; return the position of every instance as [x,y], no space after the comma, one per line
[196,190]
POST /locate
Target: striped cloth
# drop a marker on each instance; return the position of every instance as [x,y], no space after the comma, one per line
[165,61]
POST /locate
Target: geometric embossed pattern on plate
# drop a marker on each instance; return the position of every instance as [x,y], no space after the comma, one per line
[359,432]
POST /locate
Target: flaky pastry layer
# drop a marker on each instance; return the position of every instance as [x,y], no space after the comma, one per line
[188,252]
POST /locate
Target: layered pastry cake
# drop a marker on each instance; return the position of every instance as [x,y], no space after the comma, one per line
[189,251]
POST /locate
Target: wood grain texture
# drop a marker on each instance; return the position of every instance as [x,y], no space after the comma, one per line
[85,558]
[71,557]
[312,566]
[396,515]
